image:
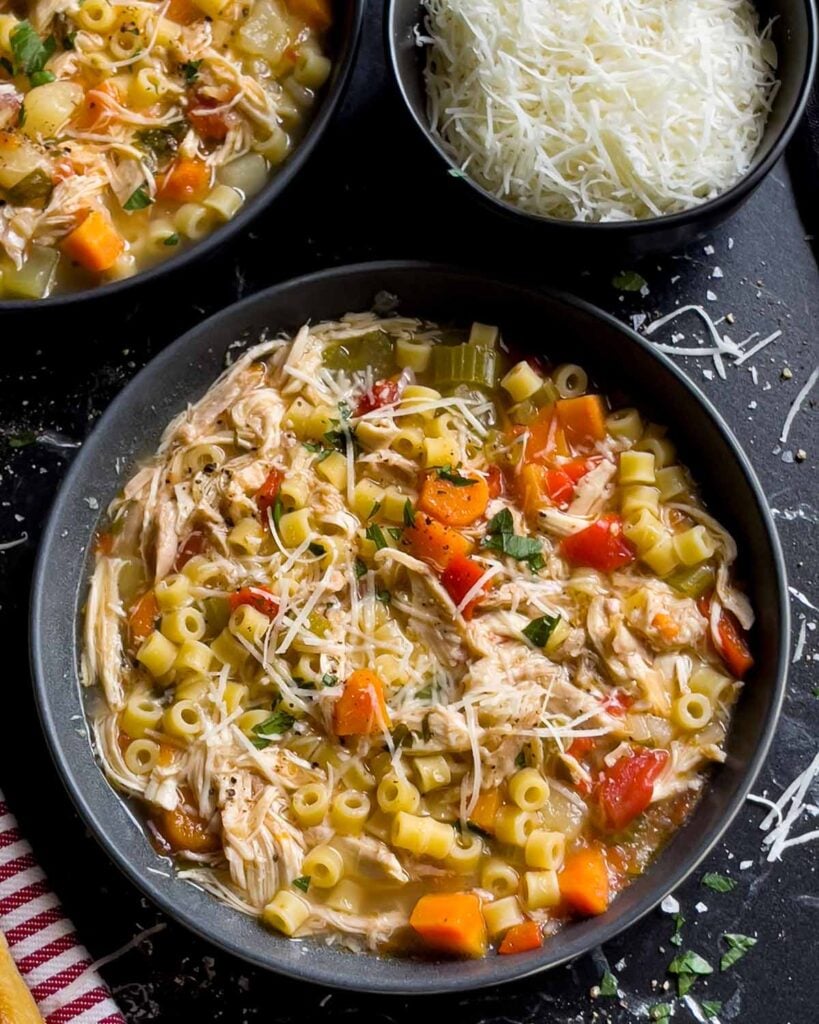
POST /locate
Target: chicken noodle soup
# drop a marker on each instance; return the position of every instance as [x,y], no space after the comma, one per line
[130,130]
[409,646]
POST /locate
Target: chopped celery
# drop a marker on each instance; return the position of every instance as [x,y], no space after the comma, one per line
[34,187]
[464,364]
[373,349]
[36,276]
[217,615]
[547,395]
[693,582]
[523,413]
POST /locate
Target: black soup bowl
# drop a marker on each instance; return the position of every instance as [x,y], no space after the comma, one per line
[795,36]
[342,45]
[537,321]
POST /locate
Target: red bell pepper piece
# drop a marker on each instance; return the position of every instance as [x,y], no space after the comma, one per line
[459,577]
[626,789]
[494,481]
[600,546]
[383,392]
[259,598]
[617,703]
[269,491]
[733,645]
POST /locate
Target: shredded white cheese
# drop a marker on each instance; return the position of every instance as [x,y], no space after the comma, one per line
[785,812]
[603,111]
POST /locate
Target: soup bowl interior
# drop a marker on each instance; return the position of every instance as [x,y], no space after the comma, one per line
[563,329]
[794,32]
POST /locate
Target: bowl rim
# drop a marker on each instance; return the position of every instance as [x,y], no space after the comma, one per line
[589,933]
[723,202]
[332,95]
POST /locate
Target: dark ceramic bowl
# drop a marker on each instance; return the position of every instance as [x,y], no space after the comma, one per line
[561,326]
[795,36]
[343,40]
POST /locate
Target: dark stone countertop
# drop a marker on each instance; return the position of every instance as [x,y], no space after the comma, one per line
[373,191]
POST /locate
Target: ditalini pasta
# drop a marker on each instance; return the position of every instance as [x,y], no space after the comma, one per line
[128,130]
[409,646]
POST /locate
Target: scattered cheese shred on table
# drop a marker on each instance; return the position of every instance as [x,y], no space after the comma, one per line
[785,812]
[603,111]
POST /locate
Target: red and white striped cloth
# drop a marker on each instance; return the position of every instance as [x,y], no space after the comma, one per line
[55,965]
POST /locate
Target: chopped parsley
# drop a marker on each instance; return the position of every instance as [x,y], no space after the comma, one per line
[501,536]
[710,1007]
[162,143]
[139,199]
[279,722]
[738,946]
[628,281]
[409,513]
[376,535]
[688,967]
[676,938]
[718,883]
[539,630]
[302,882]
[520,760]
[451,476]
[455,172]
[171,240]
[41,78]
[608,984]
[383,596]
[190,69]
[374,510]
[22,440]
[30,53]
[395,532]
[360,568]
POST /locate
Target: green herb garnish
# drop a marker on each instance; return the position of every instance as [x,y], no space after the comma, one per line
[22,440]
[278,510]
[139,199]
[451,476]
[718,883]
[661,1011]
[279,722]
[41,78]
[628,281]
[738,946]
[409,513]
[520,760]
[162,143]
[676,938]
[710,1007]
[374,510]
[500,536]
[383,596]
[328,679]
[395,532]
[608,984]
[539,630]
[171,240]
[302,882]
[688,967]
[190,69]
[30,53]
[360,568]
[376,535]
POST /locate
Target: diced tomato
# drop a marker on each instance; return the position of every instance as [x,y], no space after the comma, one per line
[383,392]
[521,938]
[733,645]
[269,491]
[494,481]
[600,546]
[193,545]
[213,127]
[626,788]
[560,481]
[459,577]
[259,598]
[580,747]
[617,703]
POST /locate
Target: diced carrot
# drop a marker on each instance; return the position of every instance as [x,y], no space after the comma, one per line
[142,617]
[666,627]
[733,646]
[187,181]
[451,922]
[185,831]
[485,810]
[209,123]
[583,419]
[521,938]
[269,491]
[531,487]
[454,503]
[546,437]
[96,105]
[434,542]
[584,881]
[361,708]
[317,13]
[95,244]
[459,577]
[105,543]
[183,12]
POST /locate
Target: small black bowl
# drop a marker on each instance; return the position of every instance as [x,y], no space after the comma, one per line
[343,39]
[536,321]
[795,36]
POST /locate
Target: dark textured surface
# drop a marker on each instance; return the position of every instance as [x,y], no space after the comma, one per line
[371,191]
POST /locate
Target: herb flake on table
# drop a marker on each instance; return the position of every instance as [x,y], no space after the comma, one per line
[688,966]
[738,946]
[677,939]
[661,1011]
[628,281]
[608,985]
[718,883]
[710,1007]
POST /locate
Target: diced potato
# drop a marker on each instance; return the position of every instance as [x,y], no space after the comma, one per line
[18,158]
[49,106]
[264,34]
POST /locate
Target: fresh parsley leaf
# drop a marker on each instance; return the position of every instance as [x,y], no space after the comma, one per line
[302,882]
[190,69]
[279,722]
[374,510]
[501,523]
[22,440]
[360,567]
[162,143]
[316,549]
[628,281]
[520,760]
[608,984]
[171,240]
[539,630]
[409,513]
[718,883]
[501,536]
[688,967]
[41,78]
[676,939]
[376,535]
[738,946]
[31,54]
[395,532]
[710,1007]
[451,476]
[383,596]
[661,1011]
[139,199]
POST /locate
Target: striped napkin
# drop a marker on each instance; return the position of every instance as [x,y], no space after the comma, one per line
[48,953]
